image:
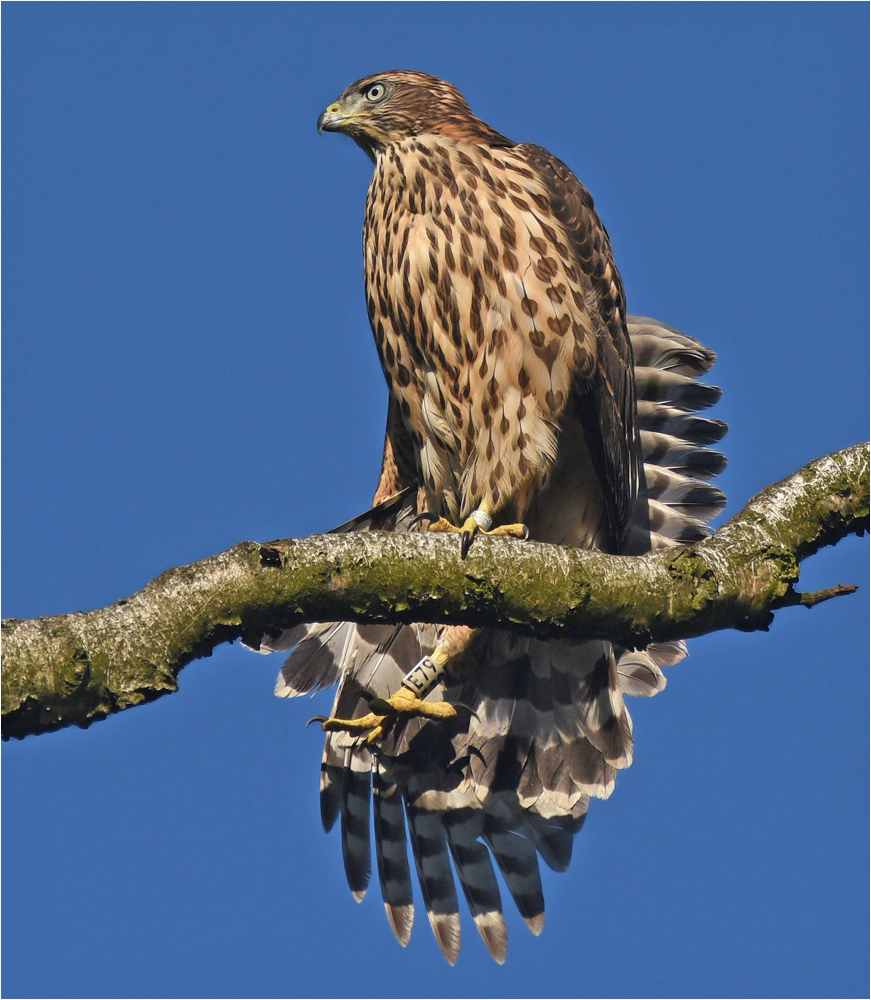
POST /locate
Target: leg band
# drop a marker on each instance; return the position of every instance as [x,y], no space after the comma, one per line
[423,676]
[483,520]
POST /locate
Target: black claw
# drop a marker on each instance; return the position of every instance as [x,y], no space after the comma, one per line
[423,516]
[461,764]
[380,706]
[315,718]
[465,543]
[466,708]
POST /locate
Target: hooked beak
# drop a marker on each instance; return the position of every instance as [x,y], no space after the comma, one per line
[330,120]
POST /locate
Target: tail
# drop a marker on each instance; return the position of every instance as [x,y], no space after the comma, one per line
[546,729]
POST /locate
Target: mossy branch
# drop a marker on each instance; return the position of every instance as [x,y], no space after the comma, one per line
[77,668]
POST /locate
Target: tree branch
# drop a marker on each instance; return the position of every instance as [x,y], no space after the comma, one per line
[77,668]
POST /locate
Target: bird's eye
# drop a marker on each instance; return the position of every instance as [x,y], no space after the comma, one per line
[375,92]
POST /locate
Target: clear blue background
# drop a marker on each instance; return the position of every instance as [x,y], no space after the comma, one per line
[188,363]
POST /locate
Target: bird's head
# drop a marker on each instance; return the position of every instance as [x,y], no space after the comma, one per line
[388,107]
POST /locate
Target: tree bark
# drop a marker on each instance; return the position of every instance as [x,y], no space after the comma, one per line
[74,669]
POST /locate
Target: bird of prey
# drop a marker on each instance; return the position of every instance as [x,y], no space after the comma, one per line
[522,401]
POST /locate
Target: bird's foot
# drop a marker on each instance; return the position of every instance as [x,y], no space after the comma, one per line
[478,522]
[386,712]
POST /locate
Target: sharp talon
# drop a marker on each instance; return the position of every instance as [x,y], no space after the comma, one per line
[315,718]
[474,752]
[386,713]
[423,516]
[525,533]
[466,708]
[465,543]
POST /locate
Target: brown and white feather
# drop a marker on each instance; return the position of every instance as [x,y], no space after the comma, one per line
[500,320]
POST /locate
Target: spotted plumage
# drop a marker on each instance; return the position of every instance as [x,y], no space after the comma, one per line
[500,320]
[498,313]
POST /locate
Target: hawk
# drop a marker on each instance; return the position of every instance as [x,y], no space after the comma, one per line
[522,401]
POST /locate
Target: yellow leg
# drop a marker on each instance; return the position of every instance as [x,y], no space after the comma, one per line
[479,521]
[407,703]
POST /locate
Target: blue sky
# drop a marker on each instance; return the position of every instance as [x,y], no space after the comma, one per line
[188,363]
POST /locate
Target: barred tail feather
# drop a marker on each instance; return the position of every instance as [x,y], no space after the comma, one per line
[512,780]
[477,878]
[430,848]
[518,864]
[356,852]
[392,854]
[554,836]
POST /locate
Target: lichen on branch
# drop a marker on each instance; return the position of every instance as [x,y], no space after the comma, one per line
[74,669]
